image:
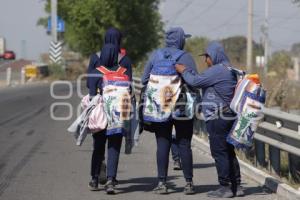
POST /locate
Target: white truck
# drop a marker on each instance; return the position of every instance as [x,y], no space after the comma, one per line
[2,45]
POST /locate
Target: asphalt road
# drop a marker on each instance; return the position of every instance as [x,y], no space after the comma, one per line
[40,161]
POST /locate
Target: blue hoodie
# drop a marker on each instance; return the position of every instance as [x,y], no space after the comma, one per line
[217,82]
[175,39]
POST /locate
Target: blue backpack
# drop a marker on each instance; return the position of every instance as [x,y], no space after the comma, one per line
[163,88]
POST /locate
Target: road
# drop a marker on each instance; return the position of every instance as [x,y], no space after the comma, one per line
[40,161]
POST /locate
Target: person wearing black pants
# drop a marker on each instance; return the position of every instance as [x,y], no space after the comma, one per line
[174,41]
[114,147]
[111,57]
[163,134]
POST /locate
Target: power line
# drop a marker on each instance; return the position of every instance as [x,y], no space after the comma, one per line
[228,20]
[210,6]
[180,11]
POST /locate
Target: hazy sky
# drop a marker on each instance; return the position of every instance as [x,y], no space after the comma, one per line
[211,18]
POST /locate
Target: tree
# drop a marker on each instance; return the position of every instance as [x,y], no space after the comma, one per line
[196,46]
[295,50]
[86,23]
[280,62]
[236,48]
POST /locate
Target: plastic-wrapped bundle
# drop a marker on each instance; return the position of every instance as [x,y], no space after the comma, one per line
[248,103]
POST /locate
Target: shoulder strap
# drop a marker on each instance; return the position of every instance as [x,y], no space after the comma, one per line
[177,55]
[120,57]
[103,70]
[121,70]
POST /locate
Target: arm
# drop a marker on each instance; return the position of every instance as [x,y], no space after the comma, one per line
[202,80]
[126,62]
[147,69]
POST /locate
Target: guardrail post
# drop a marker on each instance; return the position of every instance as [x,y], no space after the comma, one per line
[8,76]
[260,154]
[23,75]
[294,168]
[274,154]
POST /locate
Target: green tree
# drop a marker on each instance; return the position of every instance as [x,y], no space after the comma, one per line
[280,62]
[86,23]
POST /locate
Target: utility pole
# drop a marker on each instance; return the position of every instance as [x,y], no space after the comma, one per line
[249,36]
[54,20]
[266,35]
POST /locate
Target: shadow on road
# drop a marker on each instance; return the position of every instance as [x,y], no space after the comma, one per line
[203,165]
[146,184]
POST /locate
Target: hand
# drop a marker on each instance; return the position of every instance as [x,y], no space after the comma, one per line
[180,68]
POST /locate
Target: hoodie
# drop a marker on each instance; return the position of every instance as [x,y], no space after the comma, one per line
[109,59]
[112,36]
[174,41]
[217,82]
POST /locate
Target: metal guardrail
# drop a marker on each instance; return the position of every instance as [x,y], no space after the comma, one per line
[279,131]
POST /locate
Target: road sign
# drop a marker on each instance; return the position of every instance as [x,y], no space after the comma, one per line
[60,25]
[55,52]
[30,71]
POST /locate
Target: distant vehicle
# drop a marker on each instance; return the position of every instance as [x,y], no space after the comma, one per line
[9,55]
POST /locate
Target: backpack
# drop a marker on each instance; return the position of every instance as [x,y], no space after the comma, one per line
[116,99]
[248,103]
[163,88]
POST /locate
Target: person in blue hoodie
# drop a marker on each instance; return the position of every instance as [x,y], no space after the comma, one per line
[175,41]
[218,83]
[108,57]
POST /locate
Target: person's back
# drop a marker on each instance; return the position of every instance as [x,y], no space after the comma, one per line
[175,40]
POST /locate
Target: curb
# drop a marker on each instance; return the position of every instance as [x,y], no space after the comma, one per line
[283,190]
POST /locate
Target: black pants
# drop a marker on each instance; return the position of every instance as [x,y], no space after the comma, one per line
[227,165]
[114,147]
[184,133]
[175,150]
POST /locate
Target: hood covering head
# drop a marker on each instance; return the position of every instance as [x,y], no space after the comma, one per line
[109,55]
[113,36]
[175,37]
[217,53]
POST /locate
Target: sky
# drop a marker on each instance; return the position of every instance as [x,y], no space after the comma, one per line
[214,19]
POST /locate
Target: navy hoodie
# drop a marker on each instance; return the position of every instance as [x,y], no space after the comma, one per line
[112,36]
[217,82]
[108,59]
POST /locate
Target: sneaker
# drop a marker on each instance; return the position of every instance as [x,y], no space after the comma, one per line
[110,187]
[161,188]
[239,191]
[102,175]
[93,185]
[222,192]
[189,188]
[177,165]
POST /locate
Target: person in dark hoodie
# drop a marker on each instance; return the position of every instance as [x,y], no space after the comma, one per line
[175,41]
[112,36]
[218,83]
[109,56]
